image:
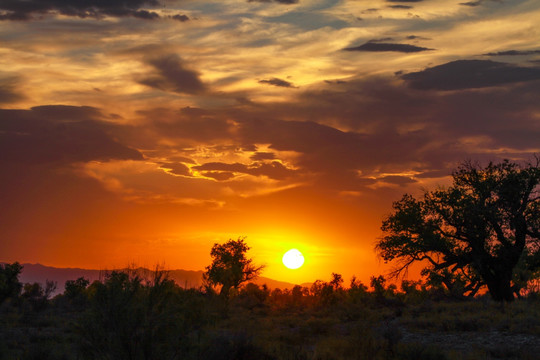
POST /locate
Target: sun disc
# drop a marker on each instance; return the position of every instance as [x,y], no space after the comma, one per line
[293,259]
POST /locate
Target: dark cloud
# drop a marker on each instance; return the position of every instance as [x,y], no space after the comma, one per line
[145,15]
[404,1]
[180,17]
[28,9]
[471,3]
[218,175]
[263,156]
[415,37]
[277,82]
[361,129]
[8,90]
[176,168]
[273,170]
[171,75]
[513,53]
[404,7]
[276,1]
[392,126]
[469,74]
[58,135]
[375,46]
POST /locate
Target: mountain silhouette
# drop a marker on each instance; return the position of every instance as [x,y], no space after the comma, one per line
[185,278]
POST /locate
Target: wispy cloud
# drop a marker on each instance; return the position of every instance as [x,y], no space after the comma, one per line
[277,82]
[375,46]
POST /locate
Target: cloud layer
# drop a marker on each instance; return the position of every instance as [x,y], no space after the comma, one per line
[26,10]
[160,127]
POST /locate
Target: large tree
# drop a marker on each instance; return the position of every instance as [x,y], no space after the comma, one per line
[484,229]
[230,267]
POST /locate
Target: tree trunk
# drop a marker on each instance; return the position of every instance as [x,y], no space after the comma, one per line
[500,288]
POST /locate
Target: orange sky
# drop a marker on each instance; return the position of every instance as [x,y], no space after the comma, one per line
[145,131]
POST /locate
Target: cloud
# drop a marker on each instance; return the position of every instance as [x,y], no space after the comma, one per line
[375,46]
[513,53]
[472,3]
[398,180]
[404,7]
[26,10]
[277,82]
[404,1]
[8,90]
[263,156]
[470,74]
[171,75]
[416,37]
[180,17]
[176,168]
[58,135]
[286,2]
[273,170]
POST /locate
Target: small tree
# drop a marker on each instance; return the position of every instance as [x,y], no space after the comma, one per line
[10,286]
[230,267]
[474,233]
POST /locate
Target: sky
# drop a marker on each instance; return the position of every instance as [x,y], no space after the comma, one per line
[144,131]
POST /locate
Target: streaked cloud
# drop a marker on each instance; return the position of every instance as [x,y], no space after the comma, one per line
[9,92]
[469,74]
[376,46]
[27,10]
[277,82]
[513,53]
[59,135]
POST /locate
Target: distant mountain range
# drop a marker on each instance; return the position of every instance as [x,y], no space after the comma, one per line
[185,278]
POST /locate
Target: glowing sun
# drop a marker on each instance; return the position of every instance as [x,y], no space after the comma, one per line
[293,259]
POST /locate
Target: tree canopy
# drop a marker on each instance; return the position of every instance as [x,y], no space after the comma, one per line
[484,229]
[10,286]
[230,267]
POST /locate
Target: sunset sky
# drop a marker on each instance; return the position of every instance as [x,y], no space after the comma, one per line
[143,132]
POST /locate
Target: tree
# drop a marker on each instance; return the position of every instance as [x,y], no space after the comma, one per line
[477,232]
[37,295]
[10,286]
[230,267]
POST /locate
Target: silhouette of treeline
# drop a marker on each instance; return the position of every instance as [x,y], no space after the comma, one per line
[32,273]
[129,316]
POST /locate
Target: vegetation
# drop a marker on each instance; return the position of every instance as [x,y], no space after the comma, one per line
[230,267]
[131,316]
[482,230]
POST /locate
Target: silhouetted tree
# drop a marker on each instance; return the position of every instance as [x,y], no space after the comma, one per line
[472,233]
[230,267]
[37,295]
[10,286]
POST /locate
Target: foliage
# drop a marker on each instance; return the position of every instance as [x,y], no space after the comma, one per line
[36,295]
[129,315]
[482,230]
[230,267]
[10,287]
[129,318]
